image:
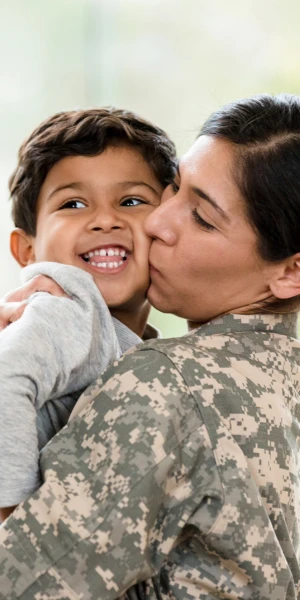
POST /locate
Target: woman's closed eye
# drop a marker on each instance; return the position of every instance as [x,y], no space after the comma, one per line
[201,221]
[73,203]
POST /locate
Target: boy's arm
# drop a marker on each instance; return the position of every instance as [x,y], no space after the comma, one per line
[58,346]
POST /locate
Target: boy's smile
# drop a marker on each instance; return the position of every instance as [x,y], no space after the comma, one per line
[107,257]
[91,211]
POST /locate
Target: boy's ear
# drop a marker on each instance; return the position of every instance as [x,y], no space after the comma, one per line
[286,280]
[22,247]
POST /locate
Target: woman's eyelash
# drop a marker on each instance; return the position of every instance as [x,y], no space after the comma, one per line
[201,221]
[174,187]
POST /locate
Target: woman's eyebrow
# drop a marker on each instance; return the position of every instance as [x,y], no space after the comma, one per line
[212,202]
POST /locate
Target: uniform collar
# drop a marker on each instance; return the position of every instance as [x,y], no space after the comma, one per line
[282,324]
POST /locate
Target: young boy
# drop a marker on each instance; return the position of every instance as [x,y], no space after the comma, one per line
[84,184]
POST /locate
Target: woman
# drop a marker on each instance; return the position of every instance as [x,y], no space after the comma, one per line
[180,478]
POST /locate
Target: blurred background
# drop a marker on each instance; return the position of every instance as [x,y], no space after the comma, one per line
[172,61]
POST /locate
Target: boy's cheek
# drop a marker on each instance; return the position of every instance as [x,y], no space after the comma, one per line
[142,245]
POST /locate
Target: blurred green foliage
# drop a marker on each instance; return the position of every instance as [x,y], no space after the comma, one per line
[168,325]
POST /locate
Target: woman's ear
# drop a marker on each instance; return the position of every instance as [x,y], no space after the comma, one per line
[286,281]
[22,247]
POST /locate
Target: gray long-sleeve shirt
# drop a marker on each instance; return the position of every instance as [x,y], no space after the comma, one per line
[46,359]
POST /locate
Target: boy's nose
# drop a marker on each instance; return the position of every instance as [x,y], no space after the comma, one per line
[105,220]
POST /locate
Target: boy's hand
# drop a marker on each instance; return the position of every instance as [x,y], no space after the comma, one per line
[13,304]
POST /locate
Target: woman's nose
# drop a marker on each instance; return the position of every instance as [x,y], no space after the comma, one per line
[161,223]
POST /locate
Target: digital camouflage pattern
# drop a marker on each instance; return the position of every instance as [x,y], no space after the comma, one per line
[179,480]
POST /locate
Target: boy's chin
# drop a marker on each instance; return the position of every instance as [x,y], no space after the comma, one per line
[125,303]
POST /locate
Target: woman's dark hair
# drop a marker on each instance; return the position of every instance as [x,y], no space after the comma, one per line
[265,132]
[87,133]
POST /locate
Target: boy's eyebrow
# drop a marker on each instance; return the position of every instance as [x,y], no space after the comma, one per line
[127,184]
[75,185]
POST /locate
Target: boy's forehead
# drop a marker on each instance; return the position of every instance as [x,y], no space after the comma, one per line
[116,165]
[122,157]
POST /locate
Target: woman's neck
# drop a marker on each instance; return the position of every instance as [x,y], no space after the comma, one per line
[267,305]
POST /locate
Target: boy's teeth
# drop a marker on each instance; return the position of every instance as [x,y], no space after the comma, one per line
[105,265]
[106,252]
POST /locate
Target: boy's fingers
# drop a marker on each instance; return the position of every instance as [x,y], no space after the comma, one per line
[13,304]
[10,311]
[19,309]
[40,283]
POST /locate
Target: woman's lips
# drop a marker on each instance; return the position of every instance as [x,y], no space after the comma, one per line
[153,269]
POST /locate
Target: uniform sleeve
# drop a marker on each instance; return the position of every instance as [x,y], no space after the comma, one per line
[58,346]
[118,489]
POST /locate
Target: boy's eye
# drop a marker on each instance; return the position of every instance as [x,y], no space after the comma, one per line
[132,201]
[72,204]
[175,187]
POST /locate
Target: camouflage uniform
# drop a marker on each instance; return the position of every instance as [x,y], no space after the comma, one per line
[179,480]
